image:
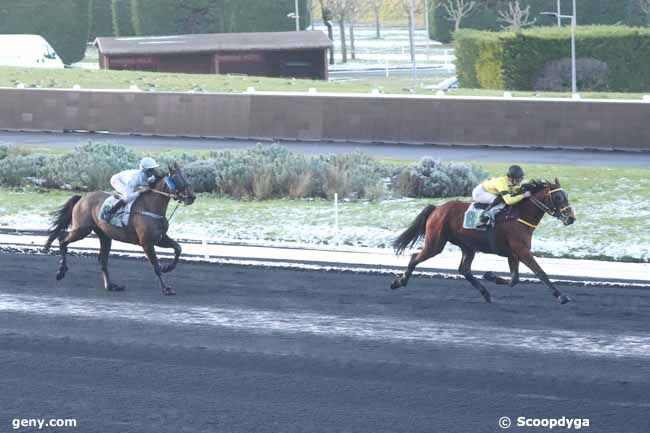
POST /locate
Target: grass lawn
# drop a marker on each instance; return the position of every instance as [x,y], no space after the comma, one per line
[158,81]
[612,207]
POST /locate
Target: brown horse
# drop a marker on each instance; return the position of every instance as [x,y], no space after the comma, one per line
[512,239]
[147,225]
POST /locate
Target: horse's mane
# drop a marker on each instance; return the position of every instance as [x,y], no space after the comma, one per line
[535,185]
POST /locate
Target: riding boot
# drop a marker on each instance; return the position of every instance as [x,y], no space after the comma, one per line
[489,217]
[112,211]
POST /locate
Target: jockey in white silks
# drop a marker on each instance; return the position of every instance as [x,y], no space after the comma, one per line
[131,183]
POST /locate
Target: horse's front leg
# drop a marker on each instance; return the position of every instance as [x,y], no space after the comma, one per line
[527,259]
[167,242]
[150,251]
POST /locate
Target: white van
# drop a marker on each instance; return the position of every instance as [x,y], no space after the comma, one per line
[29,51]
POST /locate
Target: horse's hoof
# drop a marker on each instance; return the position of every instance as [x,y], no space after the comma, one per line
[487,297]
[396,284]
[563,299]
[115,288]
[168,291]
[61,274]
[490,276]
[167,268]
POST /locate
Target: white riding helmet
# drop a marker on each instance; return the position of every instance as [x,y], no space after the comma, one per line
[148,163]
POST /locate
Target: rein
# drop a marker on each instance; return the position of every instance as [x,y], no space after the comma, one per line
[543,207]
[166,194]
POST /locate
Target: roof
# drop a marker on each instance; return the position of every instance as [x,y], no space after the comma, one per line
[212,42]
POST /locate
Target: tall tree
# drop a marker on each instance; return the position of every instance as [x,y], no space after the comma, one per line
[355,10]
[327,16]
[376,7]
[645,7]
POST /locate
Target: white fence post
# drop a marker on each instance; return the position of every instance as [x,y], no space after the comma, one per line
[336,218]
[206,255]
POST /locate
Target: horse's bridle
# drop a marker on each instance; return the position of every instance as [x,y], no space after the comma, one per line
[175,194]
[554,211]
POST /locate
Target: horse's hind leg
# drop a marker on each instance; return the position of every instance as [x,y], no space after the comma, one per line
[104,251]
[432,247]
[465,269]
[513,262]
[66,239]
[150,251]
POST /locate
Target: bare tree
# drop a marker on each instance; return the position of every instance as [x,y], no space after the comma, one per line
[457,10]
[515,17]
[376,6]
[327,15]
[411,7]
[354,11]
[340,11]
[645,7]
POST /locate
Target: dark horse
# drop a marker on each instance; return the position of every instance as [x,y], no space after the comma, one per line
[443,224]
[147,225]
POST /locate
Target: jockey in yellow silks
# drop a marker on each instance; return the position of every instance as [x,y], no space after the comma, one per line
[500,192]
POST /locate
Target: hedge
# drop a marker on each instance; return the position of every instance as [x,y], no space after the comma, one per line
[64,23]
[166,17]
[509,60]
[262,172]
[589,12]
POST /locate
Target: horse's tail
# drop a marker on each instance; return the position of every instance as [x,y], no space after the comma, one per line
[61,220]
[416,230]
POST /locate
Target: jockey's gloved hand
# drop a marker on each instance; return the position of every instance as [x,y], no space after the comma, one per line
[527,194]
[151,179]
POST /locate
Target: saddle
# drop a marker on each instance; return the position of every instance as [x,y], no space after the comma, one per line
[473,214]
[121,217]
[472,218]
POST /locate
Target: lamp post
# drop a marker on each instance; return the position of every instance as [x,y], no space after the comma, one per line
[574,23]
[296,16]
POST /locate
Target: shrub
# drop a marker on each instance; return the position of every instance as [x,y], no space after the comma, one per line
[202,174]
[555,76]
[272,171]
[509,60]
[90,166]
[430,178]
[183,158]
[21,170]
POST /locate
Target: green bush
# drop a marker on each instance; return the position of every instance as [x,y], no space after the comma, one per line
[263,172]
[22,170]
[431,178]
[168,17]
[508,60]
[90,166]
[64,23]
[202,175]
